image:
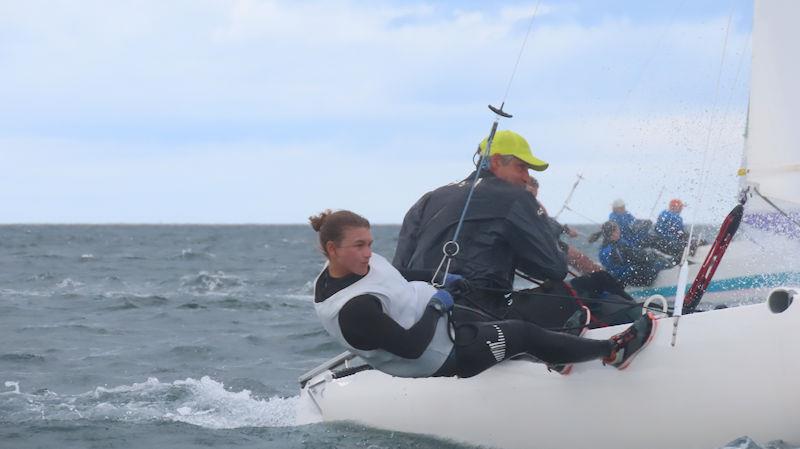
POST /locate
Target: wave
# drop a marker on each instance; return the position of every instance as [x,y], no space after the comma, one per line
[748,443]
[204,403]
[12,292]
[238,304]
[190,254]
[205,282]
[41,276]
[44,256]
[192,306]
[77,327]
[23,357]
[127,301]
[69,283]
[191,350]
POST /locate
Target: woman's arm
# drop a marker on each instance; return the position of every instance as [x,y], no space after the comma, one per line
[365,326]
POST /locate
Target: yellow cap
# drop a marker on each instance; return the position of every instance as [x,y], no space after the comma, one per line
[512,144]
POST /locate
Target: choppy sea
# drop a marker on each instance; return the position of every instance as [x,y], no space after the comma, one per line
[169,337]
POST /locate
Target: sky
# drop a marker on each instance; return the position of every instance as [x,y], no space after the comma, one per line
[260,111]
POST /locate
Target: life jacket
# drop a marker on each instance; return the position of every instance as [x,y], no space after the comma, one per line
[402,301]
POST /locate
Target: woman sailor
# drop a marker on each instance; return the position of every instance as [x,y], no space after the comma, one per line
[401,327]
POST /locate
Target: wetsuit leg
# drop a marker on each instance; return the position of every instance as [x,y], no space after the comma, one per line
[487,304]
[548,307]
[482,345]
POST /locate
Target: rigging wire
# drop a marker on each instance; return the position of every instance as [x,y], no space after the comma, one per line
[582,215]
[643,68]
[451,248]
[775,206]
[705,162]
[521,51]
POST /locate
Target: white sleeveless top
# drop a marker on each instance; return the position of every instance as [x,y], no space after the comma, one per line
[402,301]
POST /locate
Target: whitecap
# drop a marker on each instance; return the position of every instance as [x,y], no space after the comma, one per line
[204,282]
[69,283]
[204,403]
[12,384]
[212,406]
[190,254]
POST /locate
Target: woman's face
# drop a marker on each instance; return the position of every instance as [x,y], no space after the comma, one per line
[353,252]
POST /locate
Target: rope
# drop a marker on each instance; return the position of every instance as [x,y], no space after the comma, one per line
[581,215]
[655,205]
[476,308]
[653,53]
[451,248]
[703,165]
[521,51]
[569,196]
[775,206]
[564,297]
[628,305]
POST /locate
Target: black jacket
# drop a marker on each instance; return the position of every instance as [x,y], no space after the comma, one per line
[505,230]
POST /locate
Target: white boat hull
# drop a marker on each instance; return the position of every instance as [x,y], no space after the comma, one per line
[748,272]
[733,372]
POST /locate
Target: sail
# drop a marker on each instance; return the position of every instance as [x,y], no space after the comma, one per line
[772,152]
[771,163]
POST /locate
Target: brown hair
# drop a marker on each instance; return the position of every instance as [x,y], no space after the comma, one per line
[331,225]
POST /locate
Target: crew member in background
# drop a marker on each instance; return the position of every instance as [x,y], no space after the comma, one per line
[670,235]
[629,265]
[575,258]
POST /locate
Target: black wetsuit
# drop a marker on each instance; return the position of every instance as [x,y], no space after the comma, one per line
[478,344]
[505,229]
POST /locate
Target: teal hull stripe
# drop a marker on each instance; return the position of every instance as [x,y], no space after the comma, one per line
[791,278]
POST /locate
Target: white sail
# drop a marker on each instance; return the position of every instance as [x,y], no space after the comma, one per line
[772,149]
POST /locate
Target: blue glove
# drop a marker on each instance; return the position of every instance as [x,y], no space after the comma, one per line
[457,285]
[451,279]
[441,301]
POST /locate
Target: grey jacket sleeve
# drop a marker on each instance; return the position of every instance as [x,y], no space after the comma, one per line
[409,234]
[531,238]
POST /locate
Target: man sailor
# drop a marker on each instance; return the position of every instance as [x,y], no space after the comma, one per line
[623,219]
[575,258]
[505,228]
[402,327]
[670,235]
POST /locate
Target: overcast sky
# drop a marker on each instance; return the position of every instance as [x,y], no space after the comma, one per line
[251,111]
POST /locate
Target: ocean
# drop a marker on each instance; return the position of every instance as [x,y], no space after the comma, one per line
[169,336]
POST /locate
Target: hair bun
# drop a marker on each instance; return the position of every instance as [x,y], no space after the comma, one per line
[318,220]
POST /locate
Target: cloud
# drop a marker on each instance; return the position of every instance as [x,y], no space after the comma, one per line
[171,107]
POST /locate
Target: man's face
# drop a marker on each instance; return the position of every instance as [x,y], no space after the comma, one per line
[619,210]
[533,188]
[514,172]
[354,250]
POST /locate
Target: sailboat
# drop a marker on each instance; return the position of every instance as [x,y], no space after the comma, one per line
[766,255]
[706,378]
